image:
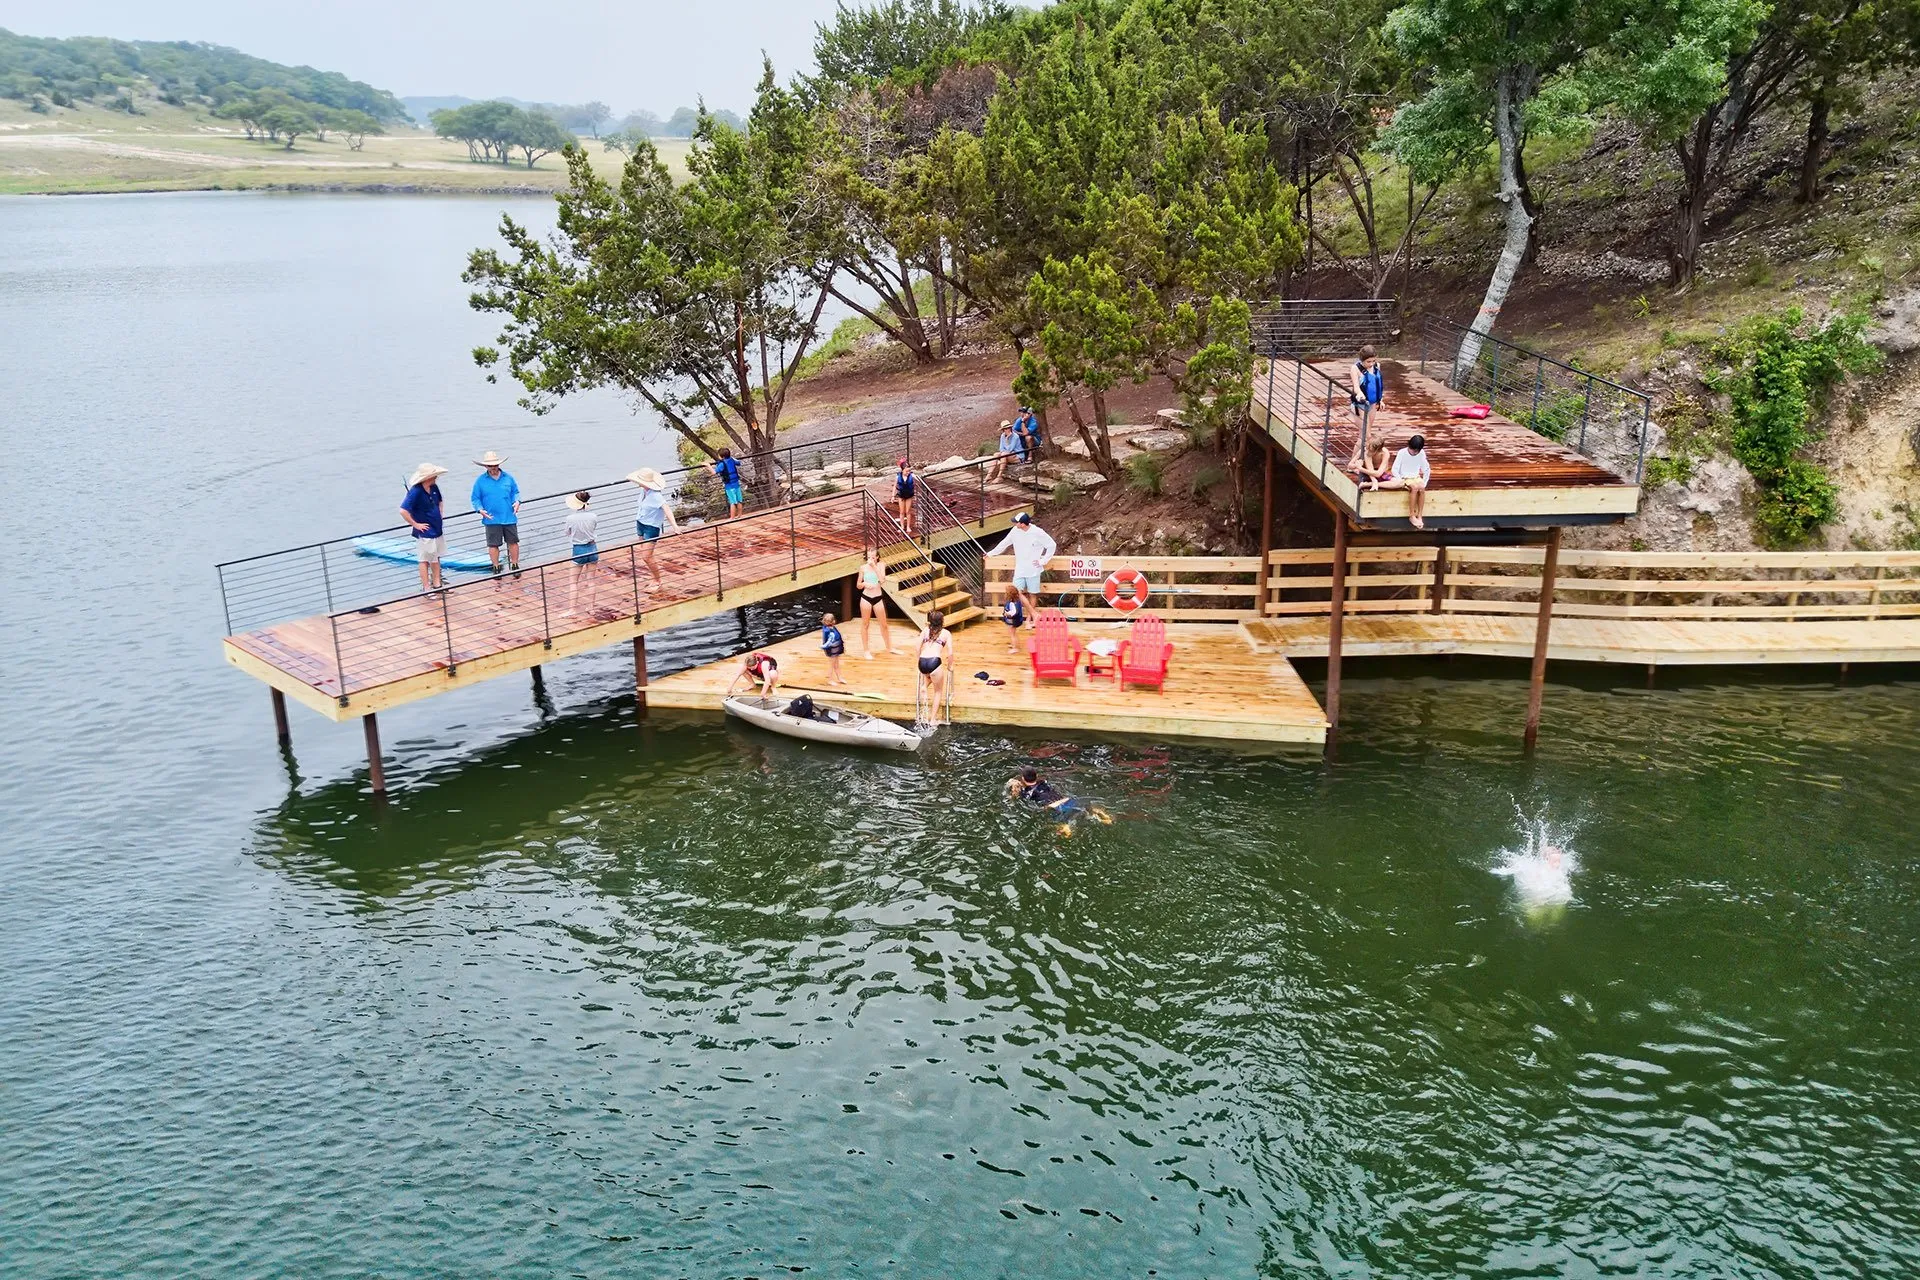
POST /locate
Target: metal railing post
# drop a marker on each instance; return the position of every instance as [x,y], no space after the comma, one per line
[719,581]
[1539,376]
[1493,376]
[1640,463]
[793,545]
[1326,440]
[226,609]
[339,668]
[633,572]
[326,576]
[1293,423]
[1586,406]
[446,618]
[980,474]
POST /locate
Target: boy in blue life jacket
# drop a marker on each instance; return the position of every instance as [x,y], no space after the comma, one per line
[729,472]
[1367,384]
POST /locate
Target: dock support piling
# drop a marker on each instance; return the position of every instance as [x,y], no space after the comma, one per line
[1536,686]
[846,598]
[280,727]
[1439,577]
[375,773]
[1336,617]
[640,673]
[1650,670]
[1266,534]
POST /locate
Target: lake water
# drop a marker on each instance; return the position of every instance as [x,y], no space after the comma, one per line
[593,996]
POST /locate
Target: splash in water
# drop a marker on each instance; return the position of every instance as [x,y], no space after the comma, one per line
[1541,868]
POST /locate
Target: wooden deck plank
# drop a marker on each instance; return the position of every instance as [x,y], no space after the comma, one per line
[1217,686]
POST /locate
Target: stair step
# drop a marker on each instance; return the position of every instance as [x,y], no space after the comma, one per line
[962,617]
[946,603]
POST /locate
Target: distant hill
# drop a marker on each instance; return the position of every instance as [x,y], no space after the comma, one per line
[119,72]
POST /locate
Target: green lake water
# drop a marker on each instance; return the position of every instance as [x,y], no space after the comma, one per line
[599,996]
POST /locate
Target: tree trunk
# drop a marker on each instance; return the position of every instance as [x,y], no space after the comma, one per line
[1690,212]
[1506,128]
[1816,145]
[1534,205]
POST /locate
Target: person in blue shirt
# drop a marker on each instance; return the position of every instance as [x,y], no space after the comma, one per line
[1027,428]
[729,472]
[496,496]
[833,645]
[421,510]
[1366,386]
[1005,450]
[651,517]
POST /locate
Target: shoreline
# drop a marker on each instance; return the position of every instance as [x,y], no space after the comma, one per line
[321,188]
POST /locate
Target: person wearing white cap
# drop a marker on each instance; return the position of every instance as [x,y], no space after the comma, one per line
[653,515]
[421,510]
[496,496]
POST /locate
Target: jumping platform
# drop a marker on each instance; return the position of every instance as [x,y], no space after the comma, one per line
[1218,686]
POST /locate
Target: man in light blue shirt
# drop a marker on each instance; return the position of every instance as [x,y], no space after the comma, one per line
[496,496]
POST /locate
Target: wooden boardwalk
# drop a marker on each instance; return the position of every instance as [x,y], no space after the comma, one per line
[354,663]
[1218,687]
[1486,472]
[1650,642]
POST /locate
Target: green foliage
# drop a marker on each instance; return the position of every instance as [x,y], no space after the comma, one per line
[1674,468]
[494,130]
[1145,473]
[1204,479]
[1063,492]
[88,67]
[1557,416]
[1777,371]
[898,39]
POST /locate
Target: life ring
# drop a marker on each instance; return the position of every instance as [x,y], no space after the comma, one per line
[1126,589]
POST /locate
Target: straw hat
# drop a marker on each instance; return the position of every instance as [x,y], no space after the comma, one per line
[489,459]
[1005,423]
[424,472]
[648,478]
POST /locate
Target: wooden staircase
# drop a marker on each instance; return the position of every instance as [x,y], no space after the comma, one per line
[918,584]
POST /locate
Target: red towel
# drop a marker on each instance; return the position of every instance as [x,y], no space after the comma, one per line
[1470,410]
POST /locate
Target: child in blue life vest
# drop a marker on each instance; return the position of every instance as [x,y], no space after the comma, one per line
[1366,386]
[729,472]
[833,646]
[1014,614]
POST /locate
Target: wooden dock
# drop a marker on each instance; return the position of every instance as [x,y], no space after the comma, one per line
[1487,473]
[1218,687]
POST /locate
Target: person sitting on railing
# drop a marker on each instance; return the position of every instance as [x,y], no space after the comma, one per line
[1005,451]
[729,472]
[421,510]
[1412,472]
[1366,386]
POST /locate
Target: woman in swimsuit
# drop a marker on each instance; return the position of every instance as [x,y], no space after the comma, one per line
[873,605]
[904,484]
[936,655]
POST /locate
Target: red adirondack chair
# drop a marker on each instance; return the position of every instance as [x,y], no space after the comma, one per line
[1144,654]
[1053,650]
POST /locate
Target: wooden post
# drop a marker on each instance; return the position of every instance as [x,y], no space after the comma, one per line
[640,673]
[1439,577]
[1536,687]
[1335,618]
[375,773]
[280,728]
[1266,534]
[846,598]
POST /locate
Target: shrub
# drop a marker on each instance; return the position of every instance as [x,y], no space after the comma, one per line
[1062,491]
[1662,469]
[1798,501]
[1145,473]
[1558,416]
[1204,479]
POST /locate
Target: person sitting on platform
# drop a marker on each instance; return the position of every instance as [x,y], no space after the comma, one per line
[761,668]
[1412,472]
[1026,426]
[1377,466]
[1007,449]
[1029,785]
[1366,386]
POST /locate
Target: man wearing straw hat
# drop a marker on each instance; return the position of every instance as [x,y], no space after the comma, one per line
[653,515]
[421,510]
[496,496]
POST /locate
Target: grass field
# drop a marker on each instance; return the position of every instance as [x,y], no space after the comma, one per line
[89,149]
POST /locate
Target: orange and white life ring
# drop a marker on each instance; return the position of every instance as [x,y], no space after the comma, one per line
[1126,589]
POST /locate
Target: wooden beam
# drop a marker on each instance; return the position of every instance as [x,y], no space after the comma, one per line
[1335,618]
[1439,578]
[1266,526]
[280,728]
[1536,685]
[640,673]
[846,598]
[375,773]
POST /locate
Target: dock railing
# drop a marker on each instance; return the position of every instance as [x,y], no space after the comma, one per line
[1592,415]
[1323,326]
[1294,381]
[1179,588]
[343,574]
[1776,586]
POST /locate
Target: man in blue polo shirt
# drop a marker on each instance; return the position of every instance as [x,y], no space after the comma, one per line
[496,496]
[421,510]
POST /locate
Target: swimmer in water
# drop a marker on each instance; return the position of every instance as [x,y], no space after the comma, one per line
[1029,785]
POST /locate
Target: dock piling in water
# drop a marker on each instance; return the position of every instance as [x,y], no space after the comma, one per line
[375,773]
[1536,685]
[281,729]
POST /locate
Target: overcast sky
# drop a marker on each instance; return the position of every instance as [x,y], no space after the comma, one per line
[653,54]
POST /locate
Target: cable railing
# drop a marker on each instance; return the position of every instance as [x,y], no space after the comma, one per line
[965,558]
[1592,415]
[1323,326]
[1318,391]
[343,574]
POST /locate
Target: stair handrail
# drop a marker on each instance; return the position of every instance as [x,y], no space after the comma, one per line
[971,578]
[874,505]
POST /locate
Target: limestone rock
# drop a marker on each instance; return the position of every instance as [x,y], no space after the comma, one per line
[1161,441]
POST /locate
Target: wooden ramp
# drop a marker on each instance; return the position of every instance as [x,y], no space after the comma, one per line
[1641,641]
[1489,472]
[1219,686]
[349,664]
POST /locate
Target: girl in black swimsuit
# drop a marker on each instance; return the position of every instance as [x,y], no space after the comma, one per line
[873,604]
[935,650]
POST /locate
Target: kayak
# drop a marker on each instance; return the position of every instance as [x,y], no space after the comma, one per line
[402,551]
[841,726]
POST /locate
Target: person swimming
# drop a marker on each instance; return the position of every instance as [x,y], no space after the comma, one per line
[1029,785]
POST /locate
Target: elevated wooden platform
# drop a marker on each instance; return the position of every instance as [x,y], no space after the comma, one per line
[1487,473]
[1219,686]
[352,664]
[1654,642]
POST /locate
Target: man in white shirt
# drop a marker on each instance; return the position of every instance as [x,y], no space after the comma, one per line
[1032,548]
[1412,472]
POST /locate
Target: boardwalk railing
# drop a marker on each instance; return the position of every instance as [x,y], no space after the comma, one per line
[1307,392]
[1180,588]
[1323,326]
[1590,414]
[1784,586]
[343,574]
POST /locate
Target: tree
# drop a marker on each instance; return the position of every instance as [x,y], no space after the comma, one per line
[595,114]
[642,124]
[697,299]
[287,122]
[537,135]
[1498,54]
[897,38]
[354,126]
[490,129]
